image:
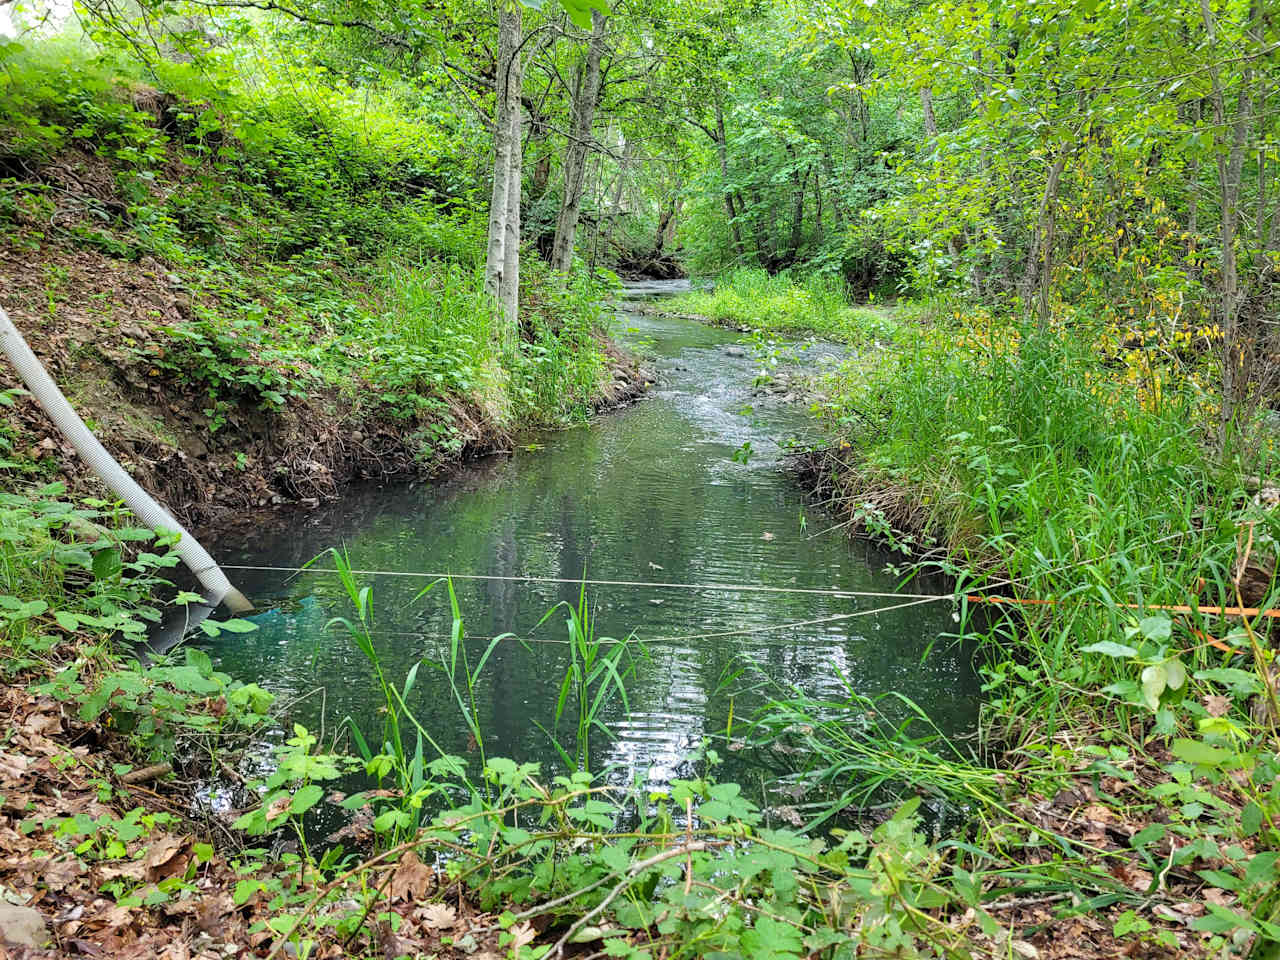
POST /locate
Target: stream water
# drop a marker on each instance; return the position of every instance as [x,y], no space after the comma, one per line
[651,493]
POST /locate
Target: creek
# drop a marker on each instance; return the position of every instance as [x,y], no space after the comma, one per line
[650,493]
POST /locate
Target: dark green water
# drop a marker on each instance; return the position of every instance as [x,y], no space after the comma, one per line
[651,493]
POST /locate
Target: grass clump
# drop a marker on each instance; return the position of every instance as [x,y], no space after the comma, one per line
[1030,464]
[753,299]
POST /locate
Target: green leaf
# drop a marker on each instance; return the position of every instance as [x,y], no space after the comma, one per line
[771,939]
[73,556]
[238,626]
[1261,868]
[32,608]
[1199,753]
[305,799]
[200,661]
[1154,680]
[1240,682]
[107,564]
[1250,819]
[1218,878]
[1156,628]
[1151,834]
[1220,920]
[1109,648]
[67,621]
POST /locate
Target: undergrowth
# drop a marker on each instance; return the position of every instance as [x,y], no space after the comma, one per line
[1031,466]
[783,304]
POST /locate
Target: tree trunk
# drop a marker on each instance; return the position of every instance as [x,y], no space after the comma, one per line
[615,205]
[511,240]
[759,230]
[586,93]
[664,218]
[930,121]
[818,231]
[1234,385]
[837,204]
[677,205]
[506,147]
[797,215]
[730,208]
[1039,270]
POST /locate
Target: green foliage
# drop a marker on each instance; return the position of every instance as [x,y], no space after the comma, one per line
[328,234]
[751,299]
[79,573]
[1044,474]
[598,670]
[67,567]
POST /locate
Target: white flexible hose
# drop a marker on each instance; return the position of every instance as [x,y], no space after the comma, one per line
[144,506]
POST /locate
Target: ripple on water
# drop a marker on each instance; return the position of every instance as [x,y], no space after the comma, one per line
[651,493]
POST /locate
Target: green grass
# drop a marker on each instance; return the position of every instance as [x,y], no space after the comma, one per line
[1032,464]
[753,299]
[1025,464]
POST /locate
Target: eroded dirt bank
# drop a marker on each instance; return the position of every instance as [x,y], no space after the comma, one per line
[104,329]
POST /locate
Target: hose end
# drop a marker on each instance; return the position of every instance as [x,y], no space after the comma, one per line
[236,601]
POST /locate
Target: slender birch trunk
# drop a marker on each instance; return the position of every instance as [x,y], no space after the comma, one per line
[506,152]
[511,238]
[1235,359]
[1038,276]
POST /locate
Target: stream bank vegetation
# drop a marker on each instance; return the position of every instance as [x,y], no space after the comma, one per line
[1078,420]
[260,293]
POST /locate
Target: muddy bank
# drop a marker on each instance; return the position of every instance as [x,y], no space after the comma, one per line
[102,327]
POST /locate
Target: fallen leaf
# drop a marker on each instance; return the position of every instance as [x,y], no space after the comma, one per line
[412,878]
[124,870]
[1096,811]
[13,767]
[790,815]
[1220,897]
[521,935]
[42,725]
[1173,914]
[212,912]
[59,874]
[438,916]
[159,853]
[1135,877]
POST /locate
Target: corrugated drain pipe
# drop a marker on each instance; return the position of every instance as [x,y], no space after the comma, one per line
[217,587]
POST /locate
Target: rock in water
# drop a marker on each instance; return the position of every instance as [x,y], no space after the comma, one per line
[22,927]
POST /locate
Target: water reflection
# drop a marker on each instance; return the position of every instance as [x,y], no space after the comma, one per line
[650,494]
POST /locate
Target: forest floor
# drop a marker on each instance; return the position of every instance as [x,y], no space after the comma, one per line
[150,879]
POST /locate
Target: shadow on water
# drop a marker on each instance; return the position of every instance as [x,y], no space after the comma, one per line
[650,494]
